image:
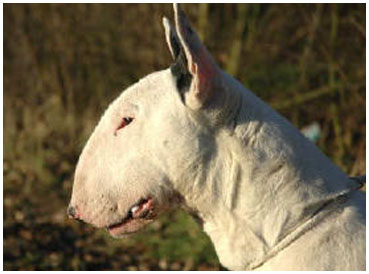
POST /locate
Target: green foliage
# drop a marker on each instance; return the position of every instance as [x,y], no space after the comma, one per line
[64,63]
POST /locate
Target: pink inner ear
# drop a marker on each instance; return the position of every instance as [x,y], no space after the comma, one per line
[206,72]
[202,64]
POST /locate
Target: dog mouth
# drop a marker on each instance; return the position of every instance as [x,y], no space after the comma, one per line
[140,214]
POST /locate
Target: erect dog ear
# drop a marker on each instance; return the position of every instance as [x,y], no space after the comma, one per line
[171,38]
[198,68]
[179,67]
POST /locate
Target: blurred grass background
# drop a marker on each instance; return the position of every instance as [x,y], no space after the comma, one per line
[64,63]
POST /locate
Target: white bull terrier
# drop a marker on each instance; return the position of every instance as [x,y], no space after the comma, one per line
[193,136]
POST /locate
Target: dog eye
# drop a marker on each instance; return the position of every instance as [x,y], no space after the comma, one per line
[125,122]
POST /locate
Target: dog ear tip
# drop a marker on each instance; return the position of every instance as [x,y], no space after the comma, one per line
[165,22]
[177,9]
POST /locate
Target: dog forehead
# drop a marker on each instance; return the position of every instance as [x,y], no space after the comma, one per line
[148,91]
[156,91]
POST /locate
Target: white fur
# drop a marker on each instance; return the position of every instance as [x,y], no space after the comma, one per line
[251,177]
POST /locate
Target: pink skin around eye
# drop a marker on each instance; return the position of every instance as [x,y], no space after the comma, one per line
[125,121]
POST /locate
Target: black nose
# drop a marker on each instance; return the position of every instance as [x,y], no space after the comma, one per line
[71,212]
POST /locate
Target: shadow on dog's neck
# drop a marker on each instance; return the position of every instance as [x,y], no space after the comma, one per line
[262,179]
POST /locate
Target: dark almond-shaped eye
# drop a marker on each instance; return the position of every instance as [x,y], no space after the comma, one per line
[125,122]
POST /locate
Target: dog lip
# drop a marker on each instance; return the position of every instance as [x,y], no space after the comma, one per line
[120,223]
[130,217]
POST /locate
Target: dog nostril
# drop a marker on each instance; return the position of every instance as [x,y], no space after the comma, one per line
[71,212]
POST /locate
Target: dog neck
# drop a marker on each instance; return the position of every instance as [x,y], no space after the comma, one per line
[264,180]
